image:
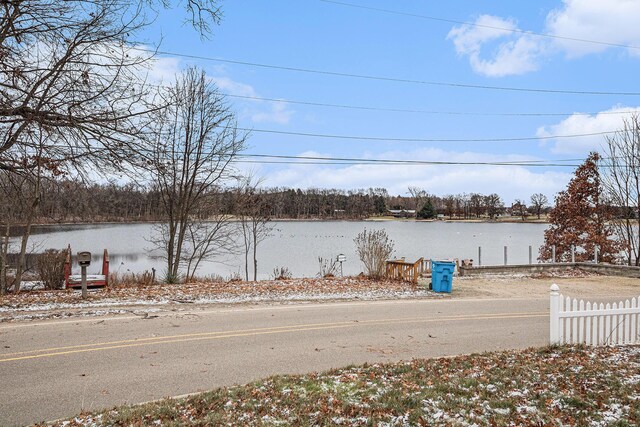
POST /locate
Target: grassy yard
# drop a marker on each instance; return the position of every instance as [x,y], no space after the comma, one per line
[549,386]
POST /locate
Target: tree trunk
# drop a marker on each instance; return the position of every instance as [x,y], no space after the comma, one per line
[22,259]
[247,247]
[255,257]
[4,247]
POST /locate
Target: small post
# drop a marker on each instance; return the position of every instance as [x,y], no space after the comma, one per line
[479,256]
[505,255]
[553,253]
[554,309]
[595,254]
[530,255]
[83,281]
[573,253]
[342,258]
[84,259]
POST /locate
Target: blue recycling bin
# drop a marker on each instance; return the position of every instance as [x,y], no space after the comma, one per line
[442,275]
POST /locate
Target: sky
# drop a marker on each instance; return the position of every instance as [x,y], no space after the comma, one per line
[421,81]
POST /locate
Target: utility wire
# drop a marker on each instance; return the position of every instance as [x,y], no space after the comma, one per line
[397,139]
[389,79]
[417,111]
[318,163]
[389,109]
[453,21]
[316,160]
[356,159]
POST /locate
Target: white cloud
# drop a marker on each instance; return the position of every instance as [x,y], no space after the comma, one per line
[469,39]
[612,21]
[275,112]
[502,52]
[163,70]
[514,54]
[510,182]
[227,85]
[605,121]
[279,113]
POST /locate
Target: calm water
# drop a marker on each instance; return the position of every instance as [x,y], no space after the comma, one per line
[298,244]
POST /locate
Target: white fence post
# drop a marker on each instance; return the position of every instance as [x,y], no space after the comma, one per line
[554,307]
[572,321]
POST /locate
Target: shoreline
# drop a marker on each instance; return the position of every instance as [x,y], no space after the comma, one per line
[505,220]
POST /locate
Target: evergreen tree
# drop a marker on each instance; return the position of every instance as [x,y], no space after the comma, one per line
[427,211]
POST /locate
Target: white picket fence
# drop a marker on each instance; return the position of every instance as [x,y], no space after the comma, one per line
[577,322]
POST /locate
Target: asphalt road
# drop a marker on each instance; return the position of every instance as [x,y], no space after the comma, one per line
[56,369]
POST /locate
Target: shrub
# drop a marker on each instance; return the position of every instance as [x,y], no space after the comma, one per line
[171,279]
[235,277]
[146,278]
[50,266]
[281,273]
[374,248]
[328,267]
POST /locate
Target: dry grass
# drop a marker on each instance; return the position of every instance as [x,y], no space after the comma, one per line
[563,386]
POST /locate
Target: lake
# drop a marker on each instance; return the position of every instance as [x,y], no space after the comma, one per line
[298,244]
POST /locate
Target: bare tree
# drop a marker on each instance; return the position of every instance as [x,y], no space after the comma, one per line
[622,185]
[72,76]
[23,195]
[476,204]
[196,140]
[253,213]
[449,205]
[419,195]
[493,205]
[538,202]
[72,91]
[519,208]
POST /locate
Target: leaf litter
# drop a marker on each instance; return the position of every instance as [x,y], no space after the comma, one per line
[41,304]
[534,387]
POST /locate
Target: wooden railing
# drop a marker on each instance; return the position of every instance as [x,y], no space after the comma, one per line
[402,270]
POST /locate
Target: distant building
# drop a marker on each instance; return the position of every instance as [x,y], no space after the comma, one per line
[402,213]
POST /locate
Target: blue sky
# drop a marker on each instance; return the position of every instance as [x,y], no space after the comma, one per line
[325,36]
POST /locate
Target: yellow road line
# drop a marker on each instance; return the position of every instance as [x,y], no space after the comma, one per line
[244,333]
[213,333]
[225,310]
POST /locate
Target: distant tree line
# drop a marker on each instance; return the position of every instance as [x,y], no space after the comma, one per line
[77,201]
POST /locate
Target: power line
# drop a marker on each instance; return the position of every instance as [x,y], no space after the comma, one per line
[317,160]
[403,161]
[473,24]
[398,139]
[418,111]
[389,79]
[318,163]
[392,109]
